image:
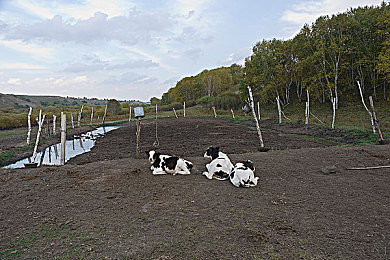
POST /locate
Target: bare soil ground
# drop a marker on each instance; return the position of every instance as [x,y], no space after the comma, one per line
[107,204]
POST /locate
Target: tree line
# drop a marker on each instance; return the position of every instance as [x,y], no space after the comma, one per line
[324,61]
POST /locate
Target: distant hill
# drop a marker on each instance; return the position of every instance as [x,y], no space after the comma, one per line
[24,101]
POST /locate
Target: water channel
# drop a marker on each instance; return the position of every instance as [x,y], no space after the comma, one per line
[78,145]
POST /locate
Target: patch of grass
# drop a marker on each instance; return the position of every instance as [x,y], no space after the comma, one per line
[313,138]
[6,155]
[8,134]
[69,241]
[26,147]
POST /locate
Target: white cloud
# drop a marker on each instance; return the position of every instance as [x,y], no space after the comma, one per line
[97,65]
[35,8]
[135,64]
[124,79]
[34,49]
[171,81]
[20,66]
[14,81]
[189,7]
[130,29]
[308,12]
[112,8]
[194,54]
[237,57]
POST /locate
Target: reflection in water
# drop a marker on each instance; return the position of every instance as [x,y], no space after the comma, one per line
[72,148]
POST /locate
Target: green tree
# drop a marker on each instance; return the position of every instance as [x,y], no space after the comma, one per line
[154,101]
[113,107]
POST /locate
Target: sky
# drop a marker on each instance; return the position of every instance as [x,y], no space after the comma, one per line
[137,49]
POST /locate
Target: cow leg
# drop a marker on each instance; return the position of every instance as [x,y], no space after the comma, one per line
[184,172]
[209,175]
[181,167]
[158,171]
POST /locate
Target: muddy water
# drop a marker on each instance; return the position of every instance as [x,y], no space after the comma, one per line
[78,145]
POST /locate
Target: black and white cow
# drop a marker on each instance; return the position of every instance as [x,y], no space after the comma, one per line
[243,175]
[220,166]
[163,164]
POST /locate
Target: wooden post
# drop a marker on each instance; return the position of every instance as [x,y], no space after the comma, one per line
[104,116]
[215,113]
[91,115]
[54,124]
[254,116]
[130,114]
[63,137]
[79,117]
[42,156]
[29,126]
[56,148]
[334,111]
[232,113]
[138,137]
[40,122]
[156,143]
[375,120]
[317,118]
[279,109]
[307,107]
[47,130]
[184,109]
[71,118]
[364,104]
[174,111]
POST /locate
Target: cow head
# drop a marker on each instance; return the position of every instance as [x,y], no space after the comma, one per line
[249,164]
[152,156]
[212,152]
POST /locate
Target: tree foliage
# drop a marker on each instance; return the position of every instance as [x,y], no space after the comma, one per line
[114,107]
[325,59]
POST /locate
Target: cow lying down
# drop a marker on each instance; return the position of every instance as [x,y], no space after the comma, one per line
[243,175]
[163,164]
[220,166]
